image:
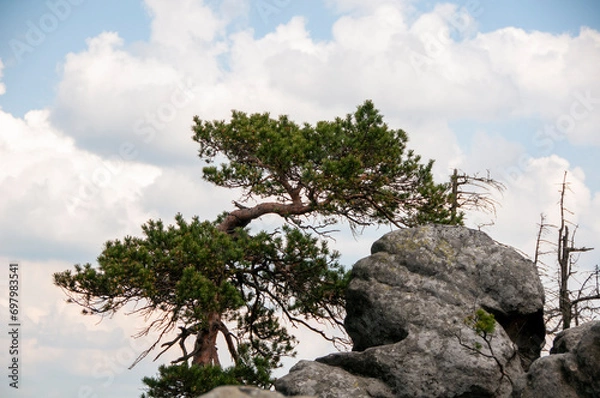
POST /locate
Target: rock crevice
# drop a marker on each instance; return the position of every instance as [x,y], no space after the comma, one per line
[406,306]
[572,370]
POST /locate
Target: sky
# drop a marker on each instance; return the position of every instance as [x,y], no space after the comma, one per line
[97,100]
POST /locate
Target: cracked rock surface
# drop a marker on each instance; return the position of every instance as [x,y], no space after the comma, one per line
[572,370]
[406,307]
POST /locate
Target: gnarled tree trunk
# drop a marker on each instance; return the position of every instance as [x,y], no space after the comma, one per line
[205,348]
[206,342]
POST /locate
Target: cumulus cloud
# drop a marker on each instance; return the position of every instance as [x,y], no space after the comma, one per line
[64,199]
[424,71]
[81,354]
[554,78]
[492,151]
[182,190]
[536,191]
[109,97]
[423,66]
[359,7]
[188,25]
[430,67]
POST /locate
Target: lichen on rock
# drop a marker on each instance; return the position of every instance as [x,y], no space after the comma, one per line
[406,304]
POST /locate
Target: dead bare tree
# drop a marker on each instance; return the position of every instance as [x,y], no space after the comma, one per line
[472,192]
[569,300]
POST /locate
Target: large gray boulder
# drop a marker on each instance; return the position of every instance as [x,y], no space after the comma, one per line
[319,379]
[242,392]
[406,307]
[572,370]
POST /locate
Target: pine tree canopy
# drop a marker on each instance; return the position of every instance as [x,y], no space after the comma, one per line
[201,279]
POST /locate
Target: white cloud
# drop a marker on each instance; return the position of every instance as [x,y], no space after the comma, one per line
[535,191]
[63,350]
[491,151]
[420,68]
[385,23]
[182,190]
[66,200]
[554,76]
[187,25]
[358,6]
[432,139]
[108,98]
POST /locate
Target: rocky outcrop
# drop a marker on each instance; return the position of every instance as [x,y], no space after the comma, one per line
[242,392]
[406,307]
[572,370]
[319,379]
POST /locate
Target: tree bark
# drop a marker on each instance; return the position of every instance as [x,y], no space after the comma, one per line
[242,217]
[206,342]
[564,299]
[454,205]
[205,349]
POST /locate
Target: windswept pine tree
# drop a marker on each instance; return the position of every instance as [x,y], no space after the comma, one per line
[202,279]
